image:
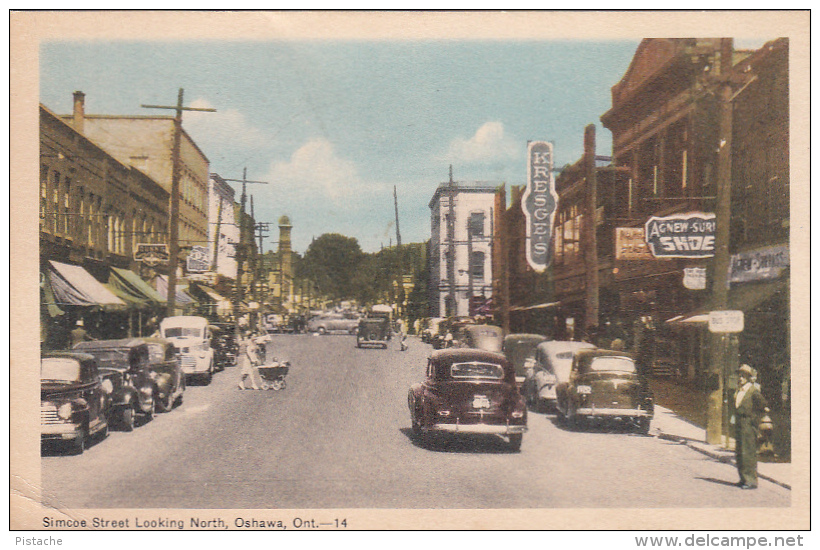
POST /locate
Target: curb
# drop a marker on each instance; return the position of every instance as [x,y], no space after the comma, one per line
[721,455]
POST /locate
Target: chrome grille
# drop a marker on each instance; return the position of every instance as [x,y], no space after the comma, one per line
[48,414]
[187,361]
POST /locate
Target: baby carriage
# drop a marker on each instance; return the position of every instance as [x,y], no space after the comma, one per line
[273,374]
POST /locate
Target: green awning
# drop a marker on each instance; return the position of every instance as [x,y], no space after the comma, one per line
[47,298]
[128,286]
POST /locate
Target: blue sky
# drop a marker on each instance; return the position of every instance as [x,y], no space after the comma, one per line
[335,125]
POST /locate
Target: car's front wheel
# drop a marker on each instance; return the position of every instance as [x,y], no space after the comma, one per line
[78,445]
[321,330]
[165,404]
[515,442]
[642,425]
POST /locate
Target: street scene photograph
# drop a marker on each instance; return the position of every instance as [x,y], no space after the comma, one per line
[305,271]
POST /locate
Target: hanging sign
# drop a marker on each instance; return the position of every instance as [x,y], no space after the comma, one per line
[198,259]
[539,203]
[630,244]
[152,254]
[682,235]
[759,265]
[694,278]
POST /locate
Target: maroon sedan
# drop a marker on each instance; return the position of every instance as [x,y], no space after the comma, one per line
[468,391]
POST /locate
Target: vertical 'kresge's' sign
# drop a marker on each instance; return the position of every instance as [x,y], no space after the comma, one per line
[539,204]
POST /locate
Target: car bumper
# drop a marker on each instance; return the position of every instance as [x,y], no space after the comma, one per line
[500,429]
[60,432]
[613,413]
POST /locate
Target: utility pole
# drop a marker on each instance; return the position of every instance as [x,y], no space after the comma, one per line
[173,236]
[216,234]
[591,238]
[470,289]
[239,293]
[400,264]
[718,348]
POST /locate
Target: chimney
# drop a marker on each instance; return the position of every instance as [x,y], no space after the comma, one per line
[79,111]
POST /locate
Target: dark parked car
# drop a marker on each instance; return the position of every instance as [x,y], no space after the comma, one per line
[72,399]
[553,363]
[519,349]
[604,385]
[124,363]
[468,391]
[373,331]
[224,345]
[486,337]
[167,373]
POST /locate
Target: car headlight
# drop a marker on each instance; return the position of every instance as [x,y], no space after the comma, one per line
[107,386]
[517,414]
[65,411]
[584,390]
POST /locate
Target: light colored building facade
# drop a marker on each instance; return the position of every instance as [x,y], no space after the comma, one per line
[221,201]
[461,248]
[146,143]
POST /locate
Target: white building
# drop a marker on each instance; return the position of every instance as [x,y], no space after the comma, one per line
[461,247]
[221,218]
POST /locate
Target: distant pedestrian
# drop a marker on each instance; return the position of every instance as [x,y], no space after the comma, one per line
[79,334]
[248,360]
[749,407]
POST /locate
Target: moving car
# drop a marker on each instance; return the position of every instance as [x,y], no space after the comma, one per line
[468,391]
[519,349]
[551,367]
[124,366]
[333,322]
[167,373]
[223,342]
[73,400]
[373,331]
[191,337]
[604,385]
[486,337]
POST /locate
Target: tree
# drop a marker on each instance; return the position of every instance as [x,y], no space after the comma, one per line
[333,263]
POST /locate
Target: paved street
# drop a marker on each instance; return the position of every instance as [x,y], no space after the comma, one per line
[339,437]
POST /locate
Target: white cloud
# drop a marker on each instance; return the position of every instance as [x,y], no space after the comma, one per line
[316,170]
[223,126]
[489,144]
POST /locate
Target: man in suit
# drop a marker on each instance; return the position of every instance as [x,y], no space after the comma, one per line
[749,406]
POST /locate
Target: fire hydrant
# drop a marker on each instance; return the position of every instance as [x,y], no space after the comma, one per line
[765,445]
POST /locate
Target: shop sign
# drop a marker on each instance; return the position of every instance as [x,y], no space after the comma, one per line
[682,235]
[539,203]
[198,259]
[630,244]
[152,254]
[726,321]
[760,265]
[694,278]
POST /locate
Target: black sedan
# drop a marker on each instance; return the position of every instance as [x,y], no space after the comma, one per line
[72,399]
[605,386]
[468,391]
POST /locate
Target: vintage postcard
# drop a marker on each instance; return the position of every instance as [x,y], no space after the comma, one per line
[364,271]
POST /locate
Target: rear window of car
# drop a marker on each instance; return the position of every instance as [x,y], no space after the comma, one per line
[488,371]
[612,364]
[61,369]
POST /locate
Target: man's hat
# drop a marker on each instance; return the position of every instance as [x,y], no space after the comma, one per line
[747,370]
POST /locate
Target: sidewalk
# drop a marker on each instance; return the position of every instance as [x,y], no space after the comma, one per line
[670,426]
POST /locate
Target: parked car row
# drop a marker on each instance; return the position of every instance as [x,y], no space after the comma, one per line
[118,384]
[483,384]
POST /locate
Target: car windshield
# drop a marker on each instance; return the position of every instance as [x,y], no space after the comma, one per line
[612,364]
[490,371]
[180,332]
[111,358]
[60,369]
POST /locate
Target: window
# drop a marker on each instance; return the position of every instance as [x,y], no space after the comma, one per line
[476,224]
[477,265]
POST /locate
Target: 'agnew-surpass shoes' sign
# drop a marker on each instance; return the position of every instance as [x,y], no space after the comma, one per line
[682,235]
[539,204]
